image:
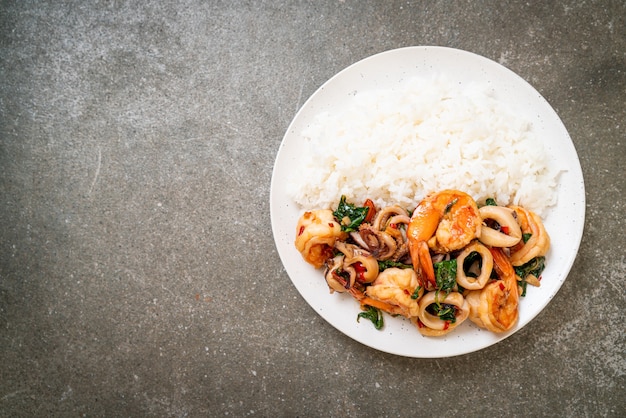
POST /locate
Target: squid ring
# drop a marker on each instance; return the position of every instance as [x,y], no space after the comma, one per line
[335,282]
[388,215]
[504,216]
[432,325]
[368,269]
[474,283]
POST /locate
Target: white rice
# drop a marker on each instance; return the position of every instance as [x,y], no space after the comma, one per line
[396,146]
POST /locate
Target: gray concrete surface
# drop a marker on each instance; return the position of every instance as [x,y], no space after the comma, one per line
[138,272]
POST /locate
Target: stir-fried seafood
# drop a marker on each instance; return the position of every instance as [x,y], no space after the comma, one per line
[358,261]
[479,270]
[440,313]
[538,243]
[398,287]
[442,222]
[384,237]
[447,262]
[509,233]
[316,234]
[495,307]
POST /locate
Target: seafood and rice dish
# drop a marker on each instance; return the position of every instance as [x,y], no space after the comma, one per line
[427,202]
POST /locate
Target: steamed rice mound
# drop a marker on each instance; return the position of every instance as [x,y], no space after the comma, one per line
[395,147]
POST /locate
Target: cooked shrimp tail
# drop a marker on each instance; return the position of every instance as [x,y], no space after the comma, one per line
[442,222]
[422,263]
[365,300]
[503,265]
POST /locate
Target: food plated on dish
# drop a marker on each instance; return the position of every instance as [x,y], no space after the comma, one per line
[412,128]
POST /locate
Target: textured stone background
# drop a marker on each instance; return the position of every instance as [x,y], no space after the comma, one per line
[138,273]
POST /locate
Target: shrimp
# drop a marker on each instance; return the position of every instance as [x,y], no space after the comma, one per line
[397,287]
[444,222]
[316,234]
[496,306]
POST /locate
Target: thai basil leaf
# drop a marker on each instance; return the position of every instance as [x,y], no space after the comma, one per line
[472,258]
[445,311]
[449,206]
[534,267]
[355,214]
[490,202]
[385,264]
[373,314]
[445,275]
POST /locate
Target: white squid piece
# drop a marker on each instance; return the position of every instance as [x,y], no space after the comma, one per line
[474,283]
[506,220]
[432,325]
[359,262]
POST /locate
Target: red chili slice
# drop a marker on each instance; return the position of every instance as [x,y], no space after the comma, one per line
[371,210]
[360,271]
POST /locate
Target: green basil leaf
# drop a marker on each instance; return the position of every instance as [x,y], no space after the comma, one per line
[385,264]
[355,214]
[534,267]
[445,275]
[490,202]
[445,311]
[373,314]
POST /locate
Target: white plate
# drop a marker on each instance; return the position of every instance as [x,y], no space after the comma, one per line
[388,70]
